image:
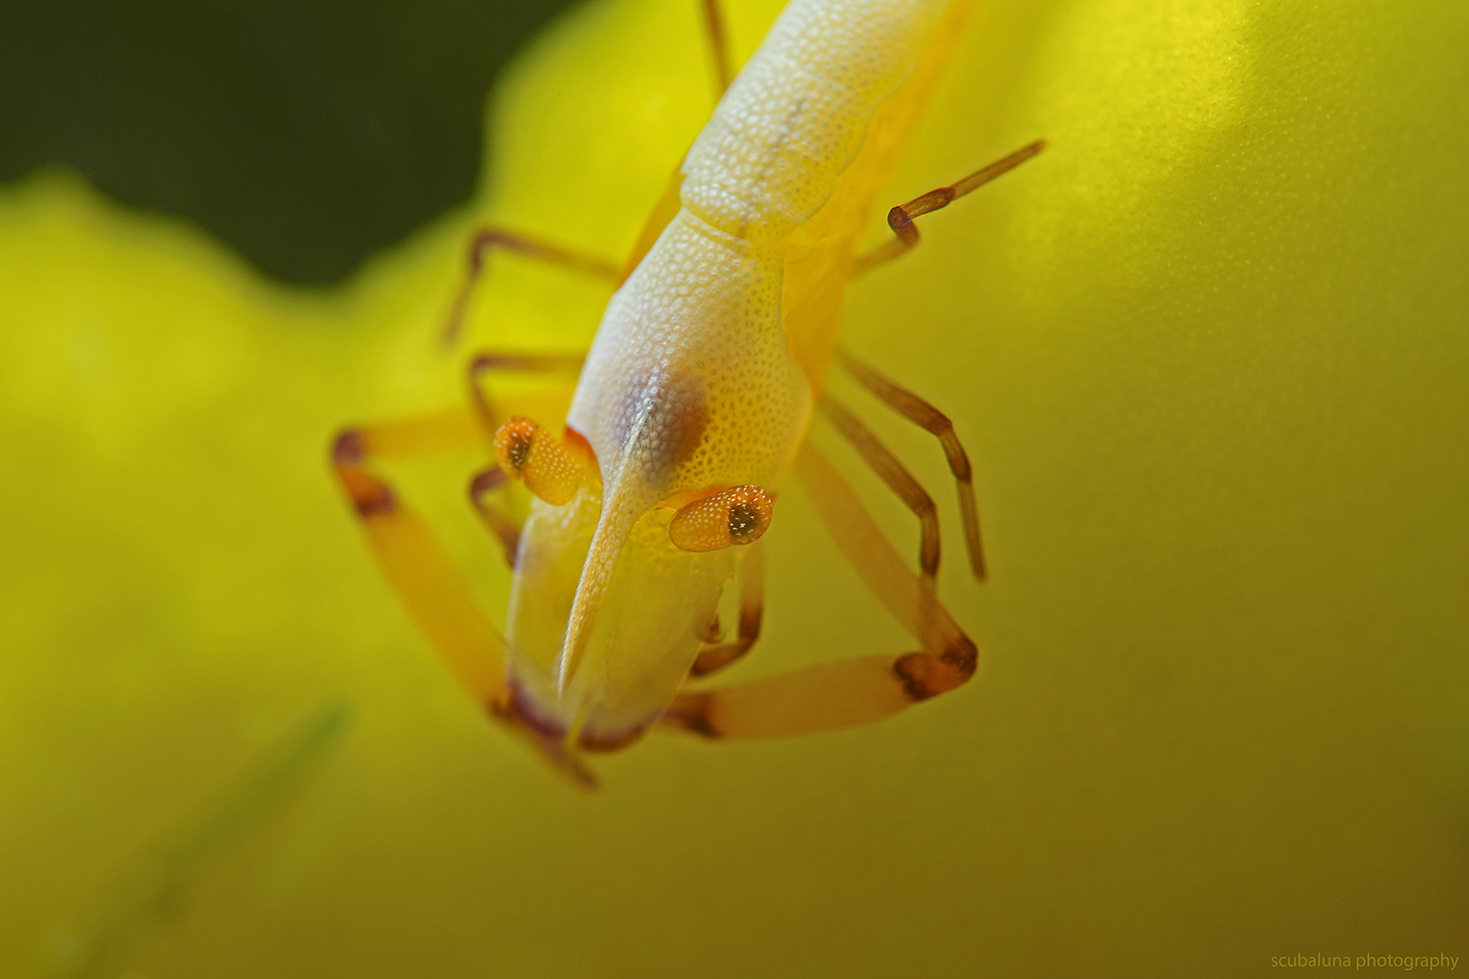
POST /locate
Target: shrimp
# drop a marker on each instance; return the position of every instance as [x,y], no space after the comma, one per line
[691,410]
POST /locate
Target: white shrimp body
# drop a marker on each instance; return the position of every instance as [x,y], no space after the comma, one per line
[690,382]
[799,111]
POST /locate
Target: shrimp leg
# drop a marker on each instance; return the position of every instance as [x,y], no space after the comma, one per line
[499,523]
[491,237]
[900,218]
[851,691]
[494,237]
[752,611]
[420,571]
[919,411]
[513,241]
[487,361]
[414,563]
[896,475]
[718,44]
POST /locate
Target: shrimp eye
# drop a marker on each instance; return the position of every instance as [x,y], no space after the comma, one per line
[529,452]
[738,515]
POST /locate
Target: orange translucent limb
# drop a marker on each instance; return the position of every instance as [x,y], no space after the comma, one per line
[522,244]
[853,691]
[451,430]
[821,698]
[900,218]
[876,561]
[898,478]
[663,212]
[492,415]
[499,523]
[752,610]
[556,749]
[431,588]
[718,44]
[919,411]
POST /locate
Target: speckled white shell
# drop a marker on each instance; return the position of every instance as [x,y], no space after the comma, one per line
[689,383]
[799,111]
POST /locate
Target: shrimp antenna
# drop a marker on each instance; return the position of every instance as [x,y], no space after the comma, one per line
[900,218]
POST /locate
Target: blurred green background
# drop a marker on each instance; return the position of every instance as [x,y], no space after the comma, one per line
[306,134]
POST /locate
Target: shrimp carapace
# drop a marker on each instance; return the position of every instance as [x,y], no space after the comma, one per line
[653,492]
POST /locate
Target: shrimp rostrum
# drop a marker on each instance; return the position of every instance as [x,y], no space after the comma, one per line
[690,412]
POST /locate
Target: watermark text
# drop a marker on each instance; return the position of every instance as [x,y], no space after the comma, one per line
[1320,960]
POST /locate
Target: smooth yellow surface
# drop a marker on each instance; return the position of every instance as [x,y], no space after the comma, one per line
[1208,353]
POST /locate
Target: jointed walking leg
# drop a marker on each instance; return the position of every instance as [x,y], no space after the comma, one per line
[752,610]
[917,410]
[414,563]
[898,478]
[417,567]
[481,485]
[531,247]
[433,590]
[486,362]
[852,691]
[488,238]
[718,43]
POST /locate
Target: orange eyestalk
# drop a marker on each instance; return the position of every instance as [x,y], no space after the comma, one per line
[529,452]
[738,515]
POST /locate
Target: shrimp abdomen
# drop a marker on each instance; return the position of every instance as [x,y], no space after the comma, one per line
[819,251]
[799,112]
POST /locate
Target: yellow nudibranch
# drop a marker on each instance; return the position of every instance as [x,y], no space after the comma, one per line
[690,411]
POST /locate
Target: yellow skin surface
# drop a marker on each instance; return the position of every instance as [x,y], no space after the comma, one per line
[1207,353]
